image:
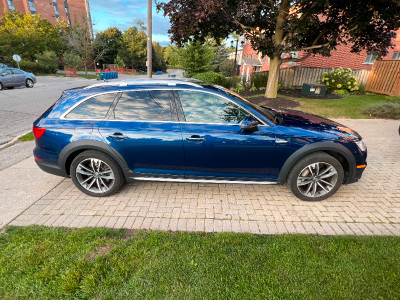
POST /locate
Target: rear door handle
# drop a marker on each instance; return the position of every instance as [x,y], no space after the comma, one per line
[196,139]
[118,136]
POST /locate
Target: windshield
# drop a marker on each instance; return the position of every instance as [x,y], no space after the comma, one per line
[269,113]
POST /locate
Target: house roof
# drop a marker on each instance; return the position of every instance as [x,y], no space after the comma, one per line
[251,62]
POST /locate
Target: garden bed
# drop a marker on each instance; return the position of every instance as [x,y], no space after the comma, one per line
[298,94]
[279,102]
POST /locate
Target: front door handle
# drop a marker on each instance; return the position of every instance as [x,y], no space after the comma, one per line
[118,136]
[196,139]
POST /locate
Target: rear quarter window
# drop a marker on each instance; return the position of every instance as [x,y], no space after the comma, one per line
[94,108]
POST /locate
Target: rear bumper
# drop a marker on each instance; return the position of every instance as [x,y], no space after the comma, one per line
[52,169]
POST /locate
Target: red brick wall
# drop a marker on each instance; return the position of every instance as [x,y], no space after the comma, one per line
[77,9]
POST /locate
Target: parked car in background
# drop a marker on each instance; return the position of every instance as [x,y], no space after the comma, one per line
[2,66]
[175,130]
[11,77]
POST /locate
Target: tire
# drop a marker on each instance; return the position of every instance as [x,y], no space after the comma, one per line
[309,178]
[1,87]
[29,83]
[96,174]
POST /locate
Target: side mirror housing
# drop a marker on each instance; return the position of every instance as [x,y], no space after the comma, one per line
[249,124]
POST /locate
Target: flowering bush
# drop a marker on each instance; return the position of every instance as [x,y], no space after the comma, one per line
[340,79]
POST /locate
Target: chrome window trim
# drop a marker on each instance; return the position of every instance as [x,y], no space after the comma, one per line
[62,117]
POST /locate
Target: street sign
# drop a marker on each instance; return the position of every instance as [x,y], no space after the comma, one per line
[17,58]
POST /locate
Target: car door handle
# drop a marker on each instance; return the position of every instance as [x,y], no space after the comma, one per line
[118,136]
[196,139]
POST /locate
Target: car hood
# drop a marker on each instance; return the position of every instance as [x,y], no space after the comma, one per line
[299,119]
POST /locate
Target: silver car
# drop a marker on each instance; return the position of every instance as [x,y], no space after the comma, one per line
[10,78]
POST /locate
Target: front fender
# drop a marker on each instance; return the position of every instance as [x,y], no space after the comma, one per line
[316,147]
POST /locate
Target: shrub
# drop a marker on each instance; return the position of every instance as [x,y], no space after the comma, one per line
[259,79]
[253,89]
[33,67]
[72,60]
[49,60]
[340,79]
[340,92]
[385,110]
[239,88]
[211,77]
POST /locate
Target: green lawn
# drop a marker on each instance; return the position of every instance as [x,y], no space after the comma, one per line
[27,137]
[350,106]
[54,263]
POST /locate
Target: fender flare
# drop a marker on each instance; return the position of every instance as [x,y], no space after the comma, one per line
[316,147]
[86,144]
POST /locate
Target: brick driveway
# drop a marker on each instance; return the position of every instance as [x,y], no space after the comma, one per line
[369,207]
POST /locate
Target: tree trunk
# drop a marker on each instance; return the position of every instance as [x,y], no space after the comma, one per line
[273,77]
[85,68]
[278,38]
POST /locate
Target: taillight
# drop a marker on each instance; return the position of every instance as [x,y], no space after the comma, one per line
[38,132]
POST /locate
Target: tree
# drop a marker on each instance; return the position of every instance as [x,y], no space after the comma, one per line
[275,27]
[221,53]
[134,48]
[196,57]
[29,35]
[172,55]
[158,59]
[111,39]
[72,60]
[80,42]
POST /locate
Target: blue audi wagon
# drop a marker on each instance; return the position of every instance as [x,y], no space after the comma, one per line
[182,130]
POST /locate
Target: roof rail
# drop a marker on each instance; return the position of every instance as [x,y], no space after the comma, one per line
[170,82]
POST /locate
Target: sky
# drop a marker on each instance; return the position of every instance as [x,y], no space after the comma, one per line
[123,13]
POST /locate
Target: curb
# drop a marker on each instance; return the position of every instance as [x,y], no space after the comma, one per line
[13,141]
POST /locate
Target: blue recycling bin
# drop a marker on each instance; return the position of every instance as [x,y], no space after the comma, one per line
[159,73]
[109,75]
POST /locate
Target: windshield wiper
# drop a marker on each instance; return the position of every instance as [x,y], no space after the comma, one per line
[277,116]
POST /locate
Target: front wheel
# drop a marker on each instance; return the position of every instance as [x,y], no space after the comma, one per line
[1,87]
[96,174]
[316,177]
[29,83]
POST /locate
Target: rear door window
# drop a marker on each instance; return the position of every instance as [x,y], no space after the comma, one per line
[94,108]
[150,105]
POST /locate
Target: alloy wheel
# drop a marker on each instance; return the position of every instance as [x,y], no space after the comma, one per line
[317,179]
[95,175]
[29,83]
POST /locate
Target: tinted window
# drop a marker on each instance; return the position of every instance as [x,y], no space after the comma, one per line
[144,105]
[15,71]
[94,108]
[201,107]
[7,72]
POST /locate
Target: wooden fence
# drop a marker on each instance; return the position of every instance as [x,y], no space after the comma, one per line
[296,76]
[384,78]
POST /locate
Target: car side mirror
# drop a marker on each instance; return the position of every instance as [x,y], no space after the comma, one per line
[249,124]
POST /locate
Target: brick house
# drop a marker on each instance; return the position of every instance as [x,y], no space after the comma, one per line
[341,57]
[53,10]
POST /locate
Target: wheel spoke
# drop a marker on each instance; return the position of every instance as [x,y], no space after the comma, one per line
[311,171]
[102,182]
[317,169]
[314,189]
[92,164]
[326,182]
[308,189]
[322,187]
[326,170]
[98,185]
[86,168]
[328,175]
[304,182]
[87,179]
[90,185]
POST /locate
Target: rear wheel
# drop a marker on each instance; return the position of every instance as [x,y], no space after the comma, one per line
[29,83]
[96,174]
[316,177]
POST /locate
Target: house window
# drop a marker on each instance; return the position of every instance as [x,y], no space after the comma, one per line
[396,55]
[67,12]
[32,6]
[56,9]
[11,4]
[370,59]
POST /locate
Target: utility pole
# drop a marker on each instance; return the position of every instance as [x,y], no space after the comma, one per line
[149,39]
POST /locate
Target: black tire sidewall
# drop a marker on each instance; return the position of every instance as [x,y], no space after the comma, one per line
[119,177]
[27,85]
[304,162]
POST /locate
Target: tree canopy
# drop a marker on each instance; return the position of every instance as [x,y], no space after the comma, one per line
[274,27]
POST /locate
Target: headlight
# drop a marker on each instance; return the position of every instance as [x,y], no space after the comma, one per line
[361,145]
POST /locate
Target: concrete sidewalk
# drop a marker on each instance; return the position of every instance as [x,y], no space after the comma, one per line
[369,207]
[21,186]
